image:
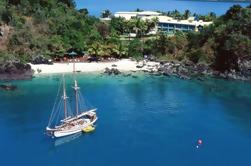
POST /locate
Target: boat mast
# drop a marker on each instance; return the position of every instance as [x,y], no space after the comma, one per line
[76,88]
[65,98]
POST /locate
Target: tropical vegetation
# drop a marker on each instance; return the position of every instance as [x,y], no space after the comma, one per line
[53,27]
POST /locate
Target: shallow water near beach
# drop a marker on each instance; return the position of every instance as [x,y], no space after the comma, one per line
[143,120]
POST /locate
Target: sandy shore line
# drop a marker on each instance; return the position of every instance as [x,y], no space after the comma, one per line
[122,65]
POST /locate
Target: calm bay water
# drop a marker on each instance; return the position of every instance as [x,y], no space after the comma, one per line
[147,120]
[95,7]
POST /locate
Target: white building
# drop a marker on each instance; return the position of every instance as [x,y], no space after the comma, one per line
[165,23]
[168,24]
[130,15]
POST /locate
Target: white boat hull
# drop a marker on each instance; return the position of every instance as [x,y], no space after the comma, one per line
[74,130]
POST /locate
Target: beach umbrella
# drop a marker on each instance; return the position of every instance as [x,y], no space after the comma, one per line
[73,53]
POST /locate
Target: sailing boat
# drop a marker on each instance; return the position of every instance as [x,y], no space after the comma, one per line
[70,123]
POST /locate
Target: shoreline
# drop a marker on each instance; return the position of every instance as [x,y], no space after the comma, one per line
[124,65]
[183,70]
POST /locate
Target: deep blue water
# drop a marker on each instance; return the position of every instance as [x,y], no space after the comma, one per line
[148,121]
[95,7]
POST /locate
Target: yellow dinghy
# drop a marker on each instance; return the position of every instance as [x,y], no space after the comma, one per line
[88,129]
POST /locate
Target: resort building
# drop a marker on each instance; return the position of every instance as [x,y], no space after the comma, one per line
[166,24]
[169,25]
[130,15]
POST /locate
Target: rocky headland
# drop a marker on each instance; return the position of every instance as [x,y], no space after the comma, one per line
[15,70]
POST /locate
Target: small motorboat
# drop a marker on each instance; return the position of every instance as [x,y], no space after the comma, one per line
[88,129]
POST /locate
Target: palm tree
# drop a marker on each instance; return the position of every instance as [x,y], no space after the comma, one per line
[84,11]
[212,16]
[106,14]
[187,14]
[95,49]
[140,27]
[139,10]
[176,14]
[151,24]
[121,50]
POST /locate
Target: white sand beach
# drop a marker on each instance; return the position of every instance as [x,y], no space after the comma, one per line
[122,65]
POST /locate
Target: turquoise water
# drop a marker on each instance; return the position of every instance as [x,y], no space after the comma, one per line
[95,7]
[148,120]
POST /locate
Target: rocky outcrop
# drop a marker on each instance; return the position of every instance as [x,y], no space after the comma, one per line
[243,73]
[15,70]
[40,59]
[187,69]
[112,71]
[8,87]
[245,68]
[184,70]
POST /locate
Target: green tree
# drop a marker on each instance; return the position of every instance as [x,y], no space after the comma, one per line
[226,43]
[235,49]
[95,49]
[103,29]
[161,44]
[233,12]
[119,25]
[106,14]
[84,11]
[176,14]
[13,2]
[135,49]
[6,16]
[187,14]
[69,3]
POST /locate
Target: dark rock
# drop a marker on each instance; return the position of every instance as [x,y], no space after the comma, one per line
[202,68]
[8,87]
[184,74]
[15,70]
[162,62]
[40,59]
[112,71]
[245,68]
[151,71]
[188,63]
[176,69]
[107,70]
[188,70]
[166,74]
[200,79]
[127,75]
[93,59]
[145,71]
[140,66]
[114,65]
[215,73]
[157,74]
[150,57]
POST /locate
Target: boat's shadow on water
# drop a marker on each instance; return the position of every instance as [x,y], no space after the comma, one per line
[58,142]
[74,138]
[64,140]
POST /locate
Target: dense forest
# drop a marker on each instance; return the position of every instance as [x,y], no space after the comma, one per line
[52,27]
